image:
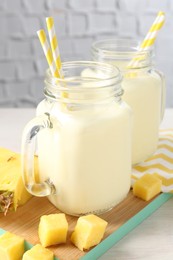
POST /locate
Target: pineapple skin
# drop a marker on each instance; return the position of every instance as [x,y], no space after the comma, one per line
[38,252]
[88,231]
[11,246]
[53,229]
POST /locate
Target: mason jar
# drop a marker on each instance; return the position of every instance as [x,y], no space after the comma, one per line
[144,90]
[82,137]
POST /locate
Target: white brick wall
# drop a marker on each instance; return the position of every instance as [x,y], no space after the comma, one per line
[78,23]
[127,25]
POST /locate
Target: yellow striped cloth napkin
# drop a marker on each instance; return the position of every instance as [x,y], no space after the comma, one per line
[161,163]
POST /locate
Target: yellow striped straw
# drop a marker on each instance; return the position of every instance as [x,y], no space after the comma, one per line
[150,37]
[48,53]
[152,34]
[54,44]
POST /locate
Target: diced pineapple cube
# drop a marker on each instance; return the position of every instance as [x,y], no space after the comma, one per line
[38,252]
[11,246]
[147,187]
[88,231]
[53,229]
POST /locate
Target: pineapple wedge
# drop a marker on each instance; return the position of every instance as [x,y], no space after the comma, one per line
[12,190]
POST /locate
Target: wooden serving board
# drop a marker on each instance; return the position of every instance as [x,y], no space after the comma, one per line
[121,220]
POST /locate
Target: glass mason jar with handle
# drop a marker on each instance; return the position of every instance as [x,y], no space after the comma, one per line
[144,90]
[82,137]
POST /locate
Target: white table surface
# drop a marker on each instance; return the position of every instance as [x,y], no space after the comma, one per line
[153,239]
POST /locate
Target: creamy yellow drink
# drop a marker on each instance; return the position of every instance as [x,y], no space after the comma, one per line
[88,158]
[144,92]
[84,149]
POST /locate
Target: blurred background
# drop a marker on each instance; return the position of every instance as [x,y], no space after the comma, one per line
[78,23]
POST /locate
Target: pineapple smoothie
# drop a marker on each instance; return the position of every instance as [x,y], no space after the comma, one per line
[86,159]
[143,94]
[144,91]
[85,153]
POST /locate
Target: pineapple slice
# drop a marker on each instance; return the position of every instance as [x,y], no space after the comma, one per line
[11,246]
[12,190]
[38,252]
[53,229]
[88,231]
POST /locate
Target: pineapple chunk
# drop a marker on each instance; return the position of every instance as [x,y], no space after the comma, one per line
[147,187]
[12,190]
[11,246]
[88,231]
[53,229]
[38,252]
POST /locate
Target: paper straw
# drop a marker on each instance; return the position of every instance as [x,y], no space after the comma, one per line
[152,34]
[49,57]
[150,38]
[48,53]
[54,44]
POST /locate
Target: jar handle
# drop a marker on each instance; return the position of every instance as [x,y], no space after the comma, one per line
[29,142]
